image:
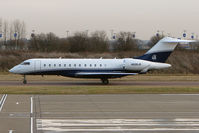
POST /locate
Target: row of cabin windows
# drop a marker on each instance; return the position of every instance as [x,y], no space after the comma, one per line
[70,65]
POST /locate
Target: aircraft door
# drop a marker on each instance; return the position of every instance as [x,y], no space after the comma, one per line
[124,64]
[37,65]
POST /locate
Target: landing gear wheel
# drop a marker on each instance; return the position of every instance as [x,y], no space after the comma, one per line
[25,82]
[105,81]
[24,79]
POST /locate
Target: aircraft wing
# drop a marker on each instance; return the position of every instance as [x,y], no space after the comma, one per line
[103,74]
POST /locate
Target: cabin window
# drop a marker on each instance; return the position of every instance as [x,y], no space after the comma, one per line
[64,65]
[85,65]
[79,65]
[44,65]
[54,65]
[74,65]
[25,63]
[59,65]
[100,65]
[49,65]
[69,65]
[90,65]
[95,65]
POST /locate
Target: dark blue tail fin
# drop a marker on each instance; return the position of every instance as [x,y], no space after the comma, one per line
[162,50]
[156,56]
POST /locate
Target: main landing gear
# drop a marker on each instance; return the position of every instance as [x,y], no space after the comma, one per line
[24,79]
[105,81]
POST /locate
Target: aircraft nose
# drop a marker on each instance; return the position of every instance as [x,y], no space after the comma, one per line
[12,70]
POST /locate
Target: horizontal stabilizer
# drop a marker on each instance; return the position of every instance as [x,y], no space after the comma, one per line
[173,40]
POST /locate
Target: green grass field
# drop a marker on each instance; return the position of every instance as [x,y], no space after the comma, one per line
[96,90]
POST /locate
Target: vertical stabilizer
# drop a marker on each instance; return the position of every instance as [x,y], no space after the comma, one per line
[162,50]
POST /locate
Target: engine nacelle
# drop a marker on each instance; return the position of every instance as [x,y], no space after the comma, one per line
[135,65]
[142,65]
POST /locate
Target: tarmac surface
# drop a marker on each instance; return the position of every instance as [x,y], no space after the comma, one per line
[125,113]
[96,82]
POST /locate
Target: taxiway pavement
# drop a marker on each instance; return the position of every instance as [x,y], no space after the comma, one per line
[96,82]
[126,113]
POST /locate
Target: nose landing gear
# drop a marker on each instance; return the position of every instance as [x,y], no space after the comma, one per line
[105,81]
[24,79]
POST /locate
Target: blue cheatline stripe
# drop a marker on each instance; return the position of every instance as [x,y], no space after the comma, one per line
[156,56]
[72,73]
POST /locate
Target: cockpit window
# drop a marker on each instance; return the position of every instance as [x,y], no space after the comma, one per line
[25,63]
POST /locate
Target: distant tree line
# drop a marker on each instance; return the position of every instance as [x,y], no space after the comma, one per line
[12,34]
[13,37]
[81,42]
[97,41]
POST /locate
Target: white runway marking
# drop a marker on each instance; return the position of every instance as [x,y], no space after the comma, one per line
[114,130]
[3,99]
[10,131]
[31,111]
[102,125]
[179,94]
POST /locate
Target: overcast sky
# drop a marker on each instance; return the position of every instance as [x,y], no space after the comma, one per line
[143,16]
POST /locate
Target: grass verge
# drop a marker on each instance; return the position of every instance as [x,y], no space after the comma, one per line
[96,90]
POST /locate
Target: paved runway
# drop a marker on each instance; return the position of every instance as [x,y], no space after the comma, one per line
[96,82]
[100,113]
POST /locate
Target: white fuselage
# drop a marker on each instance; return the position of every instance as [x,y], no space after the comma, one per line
[70,67]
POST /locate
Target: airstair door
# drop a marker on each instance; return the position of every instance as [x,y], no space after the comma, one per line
[124,64]
[37,65]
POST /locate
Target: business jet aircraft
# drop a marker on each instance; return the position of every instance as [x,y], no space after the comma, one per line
[103,69]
